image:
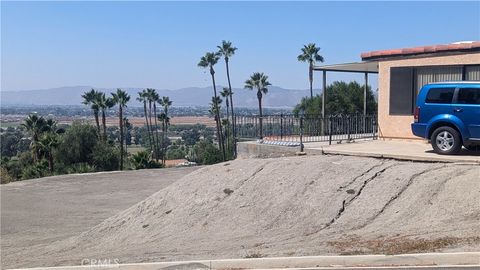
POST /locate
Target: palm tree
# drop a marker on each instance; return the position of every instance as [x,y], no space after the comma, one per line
[88,99]
[143,97]
[310,55]
[103,104]
[46,144]
[214,108]
[227,51]
[226,93]
[165,102]
[152,98]
[259,81]
[121,98]
[35,125]
[209,60]
[165,122]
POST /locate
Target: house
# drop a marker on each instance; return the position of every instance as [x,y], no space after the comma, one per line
[403,72]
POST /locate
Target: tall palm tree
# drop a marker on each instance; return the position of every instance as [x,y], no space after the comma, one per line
[88,99]
[143,97]
[152,98]
[104,103]
[259,81]
[155,98]
[121,98]
[165,120]
[46,145]
[165,102]
[214,108]
[226,93]
[35,125]
[227,51]
[310,55]
[209,60]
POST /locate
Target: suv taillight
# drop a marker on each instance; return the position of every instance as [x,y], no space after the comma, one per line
[416,114]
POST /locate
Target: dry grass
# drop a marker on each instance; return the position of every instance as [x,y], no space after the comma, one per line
[401,245]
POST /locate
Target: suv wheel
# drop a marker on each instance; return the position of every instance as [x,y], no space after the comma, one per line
[446,141]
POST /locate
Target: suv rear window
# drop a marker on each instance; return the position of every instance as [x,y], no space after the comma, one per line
[468,96]
[440,95]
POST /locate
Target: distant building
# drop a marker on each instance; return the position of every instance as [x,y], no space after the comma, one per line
[403,72]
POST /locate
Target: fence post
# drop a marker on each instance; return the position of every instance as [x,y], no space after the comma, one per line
[348,126]
[281,126]
[301,133]
[330,130]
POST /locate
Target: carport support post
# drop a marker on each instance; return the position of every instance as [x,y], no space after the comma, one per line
[365,89]
[324,92]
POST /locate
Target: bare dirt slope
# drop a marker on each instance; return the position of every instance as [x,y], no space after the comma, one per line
[287,207]
[40,211]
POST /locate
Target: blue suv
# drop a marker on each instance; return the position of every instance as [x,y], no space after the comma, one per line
[448,114]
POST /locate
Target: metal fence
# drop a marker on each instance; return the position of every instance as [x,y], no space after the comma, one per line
[313,128]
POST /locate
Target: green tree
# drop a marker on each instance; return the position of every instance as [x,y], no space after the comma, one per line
[259,81]
[47,144]
[89,98]
[209,60]
[343,98]
[205,152]
[191,136]
[310,55]
[121,98]
[77,144]
[36,126]
[105,157]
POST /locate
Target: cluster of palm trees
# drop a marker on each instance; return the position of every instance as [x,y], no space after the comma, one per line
[100,102]
[150,98]
[44,134]
[257,81]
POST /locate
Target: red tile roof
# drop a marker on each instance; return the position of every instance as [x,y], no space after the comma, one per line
[466,46]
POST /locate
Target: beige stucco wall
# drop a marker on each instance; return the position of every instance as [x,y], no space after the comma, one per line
[395,126]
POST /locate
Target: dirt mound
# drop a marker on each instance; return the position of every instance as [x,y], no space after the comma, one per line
[292,206]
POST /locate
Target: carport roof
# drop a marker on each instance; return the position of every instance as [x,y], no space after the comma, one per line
[355,67]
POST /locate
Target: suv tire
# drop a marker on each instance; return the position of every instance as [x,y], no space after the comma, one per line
[446,141]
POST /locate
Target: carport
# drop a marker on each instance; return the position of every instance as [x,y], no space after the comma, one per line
[366,67]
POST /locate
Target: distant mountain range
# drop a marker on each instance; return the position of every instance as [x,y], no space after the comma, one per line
[193,96]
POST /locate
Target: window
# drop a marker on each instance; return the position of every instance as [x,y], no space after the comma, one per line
[440,95]
[468,96]
[401,91]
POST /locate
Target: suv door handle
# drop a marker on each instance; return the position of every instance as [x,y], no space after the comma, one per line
[458,110]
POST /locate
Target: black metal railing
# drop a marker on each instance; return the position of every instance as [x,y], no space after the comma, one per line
[314,128]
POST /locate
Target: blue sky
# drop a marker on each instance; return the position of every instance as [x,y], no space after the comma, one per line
[158,44]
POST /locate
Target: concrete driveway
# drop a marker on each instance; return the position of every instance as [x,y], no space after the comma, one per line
[52,208]
[404,150]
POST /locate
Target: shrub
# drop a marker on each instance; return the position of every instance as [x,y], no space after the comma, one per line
[205,152]
[142,160]
[77,144]
[37,170]
[106,157]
